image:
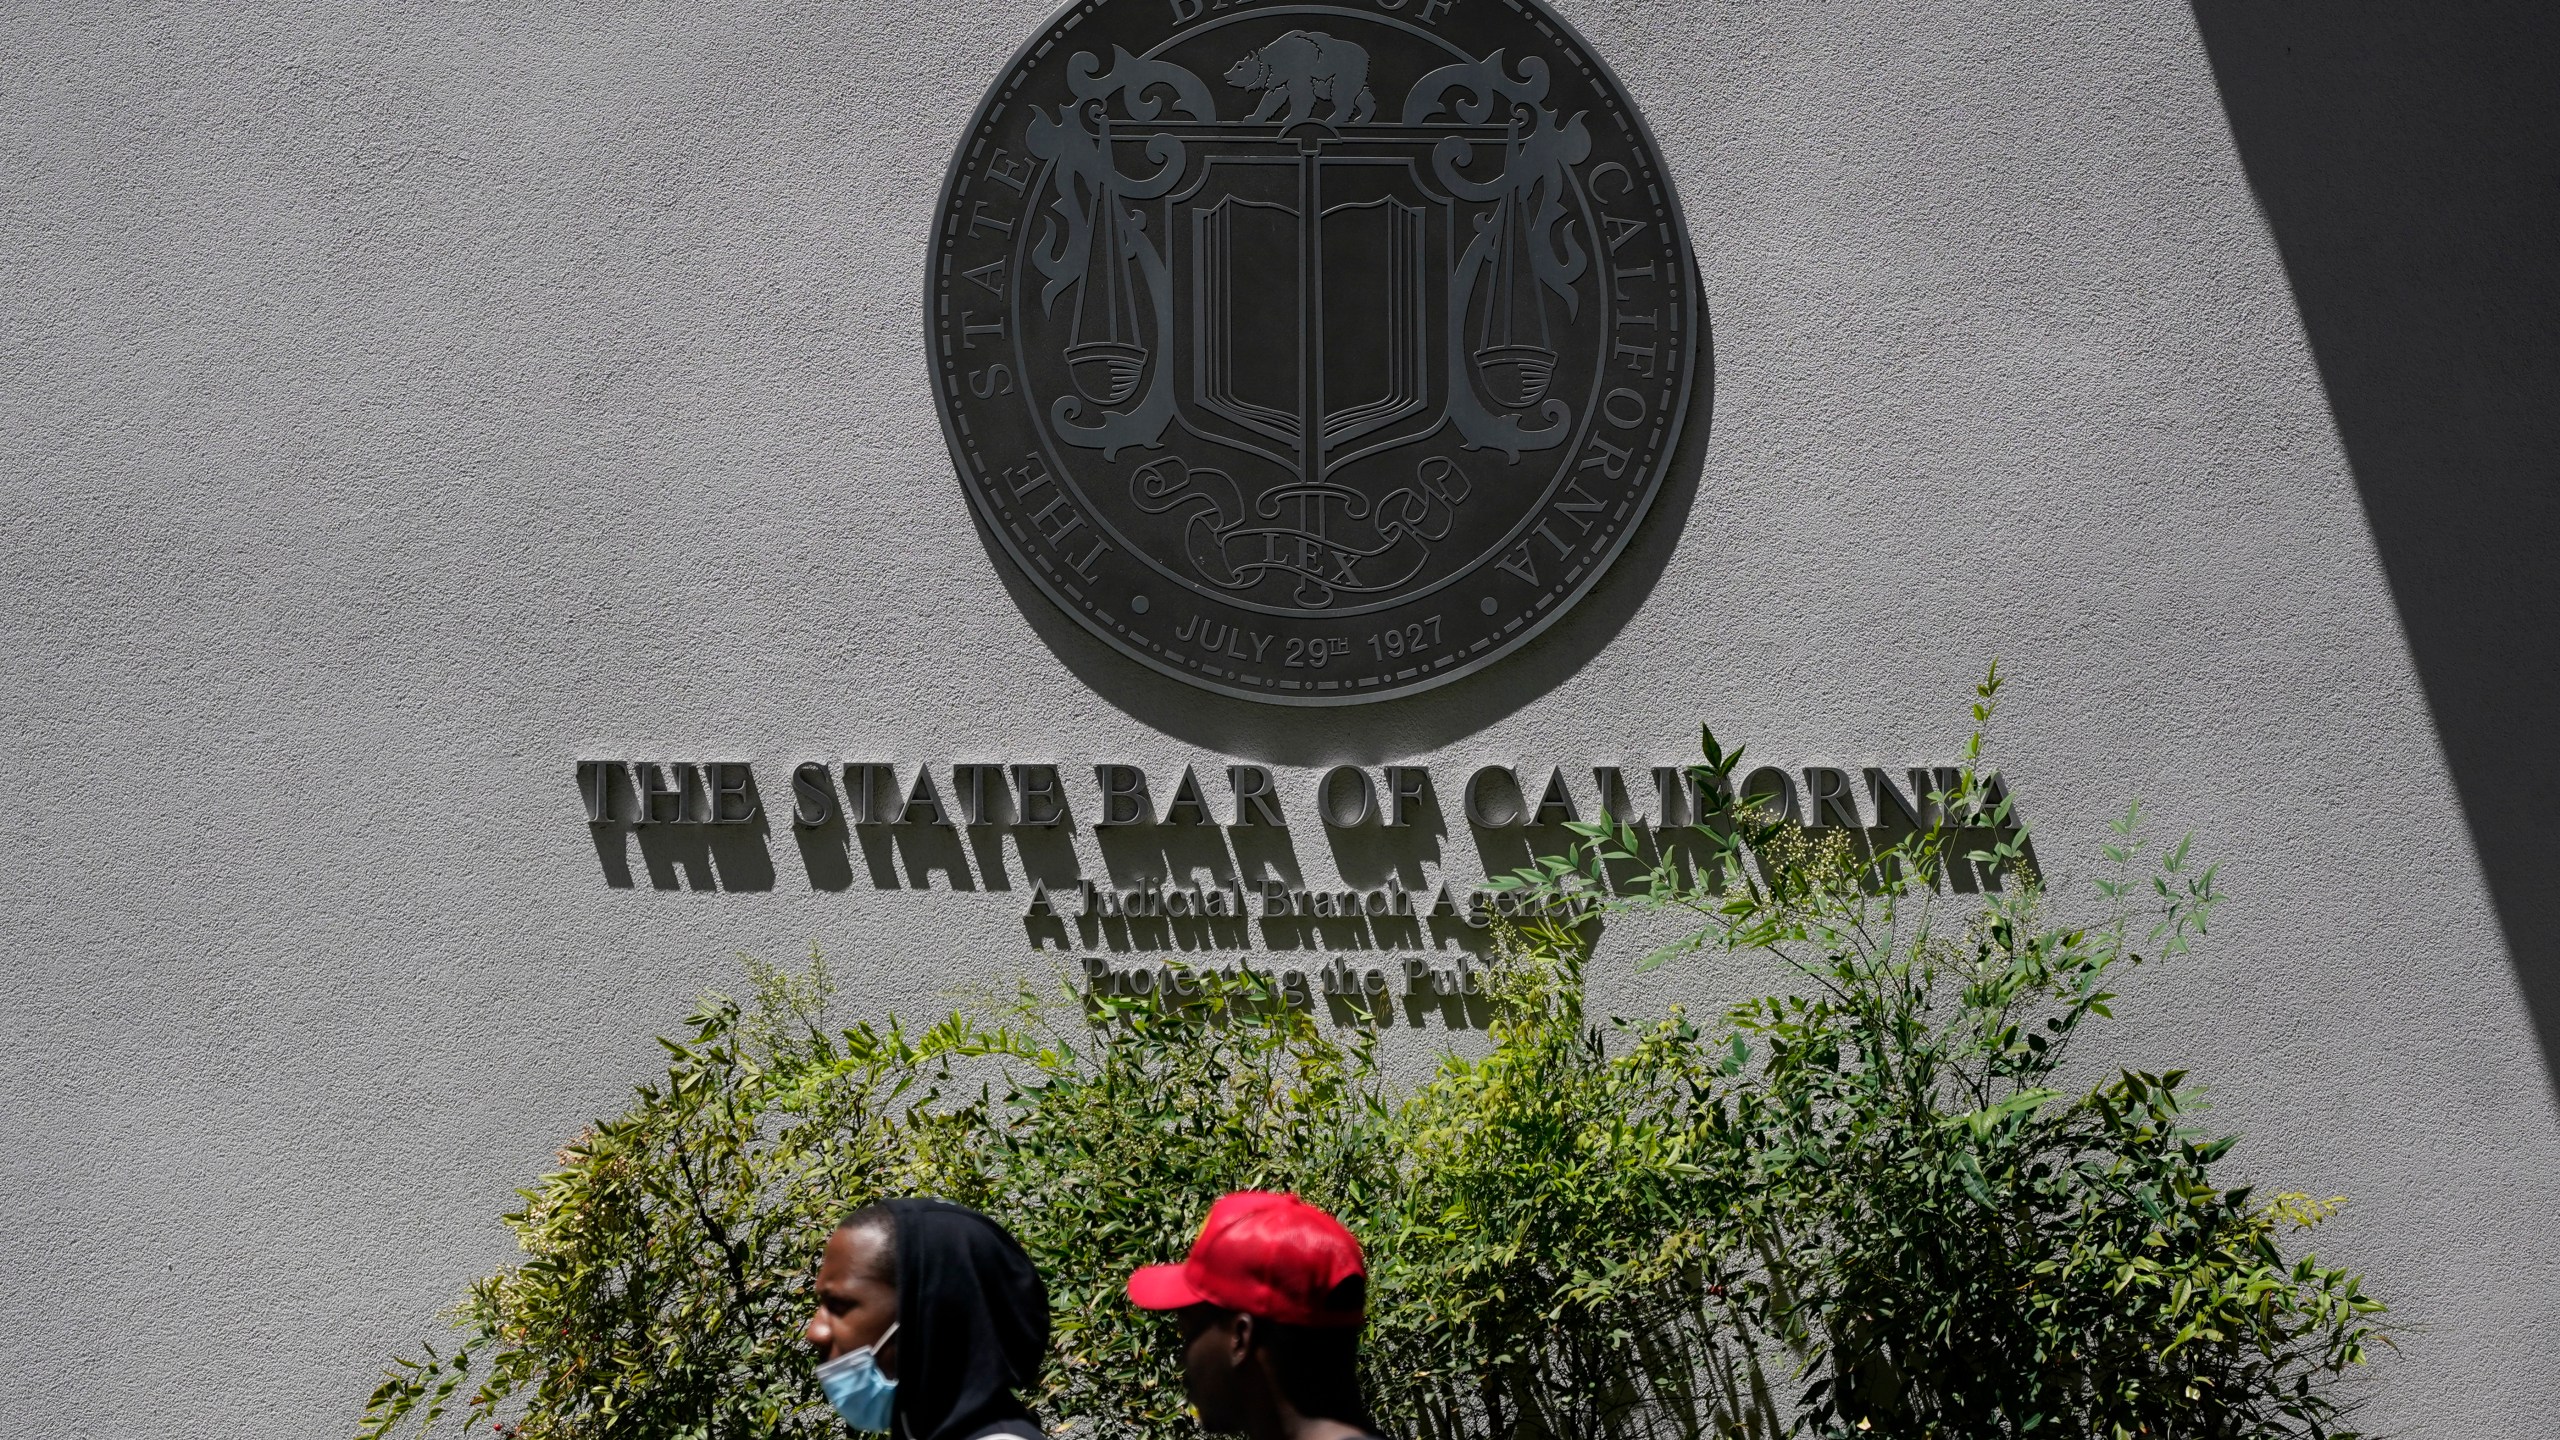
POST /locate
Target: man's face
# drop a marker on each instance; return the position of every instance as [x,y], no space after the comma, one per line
[1216,1343]
[857,1298]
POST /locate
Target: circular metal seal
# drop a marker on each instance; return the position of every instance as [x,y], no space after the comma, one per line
[1310,353]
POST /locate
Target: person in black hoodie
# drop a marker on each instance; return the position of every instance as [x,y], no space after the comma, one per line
[930,1320]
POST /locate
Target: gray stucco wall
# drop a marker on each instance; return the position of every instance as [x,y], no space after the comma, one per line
[397,402]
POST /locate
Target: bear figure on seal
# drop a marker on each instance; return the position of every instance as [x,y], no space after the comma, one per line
[1302,67]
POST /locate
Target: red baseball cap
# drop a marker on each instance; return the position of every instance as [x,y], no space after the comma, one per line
[1265,1254]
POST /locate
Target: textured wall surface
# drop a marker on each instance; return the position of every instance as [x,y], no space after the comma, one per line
[397,402]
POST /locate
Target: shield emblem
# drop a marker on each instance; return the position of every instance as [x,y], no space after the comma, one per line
[1310,280]
[1320,313]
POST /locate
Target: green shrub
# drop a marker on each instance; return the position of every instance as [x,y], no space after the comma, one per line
[1948,1243]
[1868,1207]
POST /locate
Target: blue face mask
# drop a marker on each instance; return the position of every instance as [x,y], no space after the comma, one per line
[857,1389]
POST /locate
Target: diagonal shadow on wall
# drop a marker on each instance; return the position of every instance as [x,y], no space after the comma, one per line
[2407,159]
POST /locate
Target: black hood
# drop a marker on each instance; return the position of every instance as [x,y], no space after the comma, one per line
[973,1324]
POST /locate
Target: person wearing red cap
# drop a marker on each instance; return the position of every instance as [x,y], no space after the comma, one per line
[1271,1298]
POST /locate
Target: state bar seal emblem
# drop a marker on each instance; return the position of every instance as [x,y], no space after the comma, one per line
[1313,354]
